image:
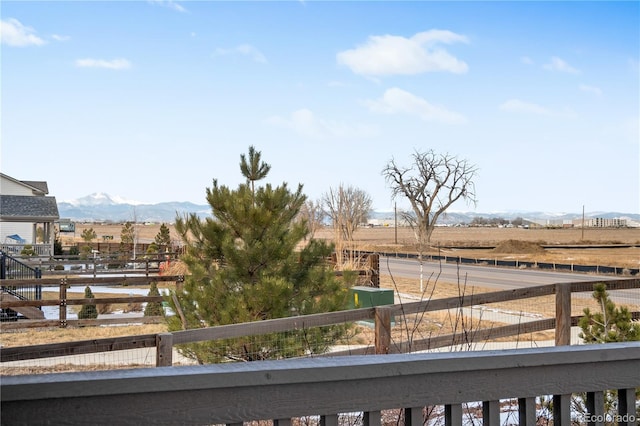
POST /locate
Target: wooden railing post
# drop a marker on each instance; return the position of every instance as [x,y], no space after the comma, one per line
[595,408]
[563,314]
[372,418]
[562,410]
[62,314]
[453,415]
[527,411]
[627,407]
[164,350]
[562,403]
[491,413]
[383,329]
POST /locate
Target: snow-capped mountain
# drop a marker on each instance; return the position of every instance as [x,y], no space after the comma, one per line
[101,199]
[99,207]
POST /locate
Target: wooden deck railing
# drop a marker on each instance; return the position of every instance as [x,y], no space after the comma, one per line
[381,315]
[63,301]
[326,387]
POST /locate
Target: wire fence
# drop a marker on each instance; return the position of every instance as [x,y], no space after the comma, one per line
[466,322]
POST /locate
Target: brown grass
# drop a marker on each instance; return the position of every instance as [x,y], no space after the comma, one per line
[456,240]
[26,337]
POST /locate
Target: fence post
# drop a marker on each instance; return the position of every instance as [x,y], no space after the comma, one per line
[63,302]
[164,349]
[562,403]
[383,329]
[563,314]
[374,265]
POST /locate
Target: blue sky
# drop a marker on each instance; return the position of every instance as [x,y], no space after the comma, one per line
[151,100]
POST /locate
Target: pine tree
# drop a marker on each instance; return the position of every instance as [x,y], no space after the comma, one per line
[153,308]
[254,169]
[127,238]
[163,238]
[88,235]
[610,324]
[88,311]
[245,266]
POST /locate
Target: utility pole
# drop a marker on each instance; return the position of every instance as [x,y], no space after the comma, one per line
[582,237]
[395,214]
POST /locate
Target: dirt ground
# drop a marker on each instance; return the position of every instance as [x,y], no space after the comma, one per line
[442,236]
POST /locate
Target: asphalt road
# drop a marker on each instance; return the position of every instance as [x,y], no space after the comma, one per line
[494,278]
[484,276]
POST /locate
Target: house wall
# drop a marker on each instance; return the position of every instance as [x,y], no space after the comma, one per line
[25,230]
[10,187]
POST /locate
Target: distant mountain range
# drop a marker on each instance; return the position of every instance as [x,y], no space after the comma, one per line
[101,207]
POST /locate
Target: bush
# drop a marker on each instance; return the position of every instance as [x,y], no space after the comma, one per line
[88,311]
[74,251]
[28,251]
[153,309]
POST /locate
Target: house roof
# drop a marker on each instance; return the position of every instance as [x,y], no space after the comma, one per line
[38,186]
[25,208]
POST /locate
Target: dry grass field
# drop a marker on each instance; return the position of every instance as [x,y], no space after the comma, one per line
[456,241]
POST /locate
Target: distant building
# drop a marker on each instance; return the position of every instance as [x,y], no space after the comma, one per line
[600,222]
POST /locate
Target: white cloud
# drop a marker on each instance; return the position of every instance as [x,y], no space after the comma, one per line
[58,37]
[389,54]
[245,50]
[558,64]
[516,105]
[169,4]
[398,101]
[526,60]
[590,89]
[13,33]
[308,124]
[115,64]
[522,107]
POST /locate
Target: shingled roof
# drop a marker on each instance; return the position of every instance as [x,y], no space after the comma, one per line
[24,208]
[39,185]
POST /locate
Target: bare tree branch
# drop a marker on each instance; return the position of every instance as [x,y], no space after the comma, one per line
[431,185]
[347,207]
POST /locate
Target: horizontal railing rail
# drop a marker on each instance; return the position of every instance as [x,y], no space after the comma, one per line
[327,387]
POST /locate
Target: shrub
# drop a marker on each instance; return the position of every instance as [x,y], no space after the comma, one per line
[88,311]
[153,309]
[28,251]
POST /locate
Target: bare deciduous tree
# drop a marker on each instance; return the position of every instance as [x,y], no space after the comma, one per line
[431,185]
[312,212]
[347,207]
